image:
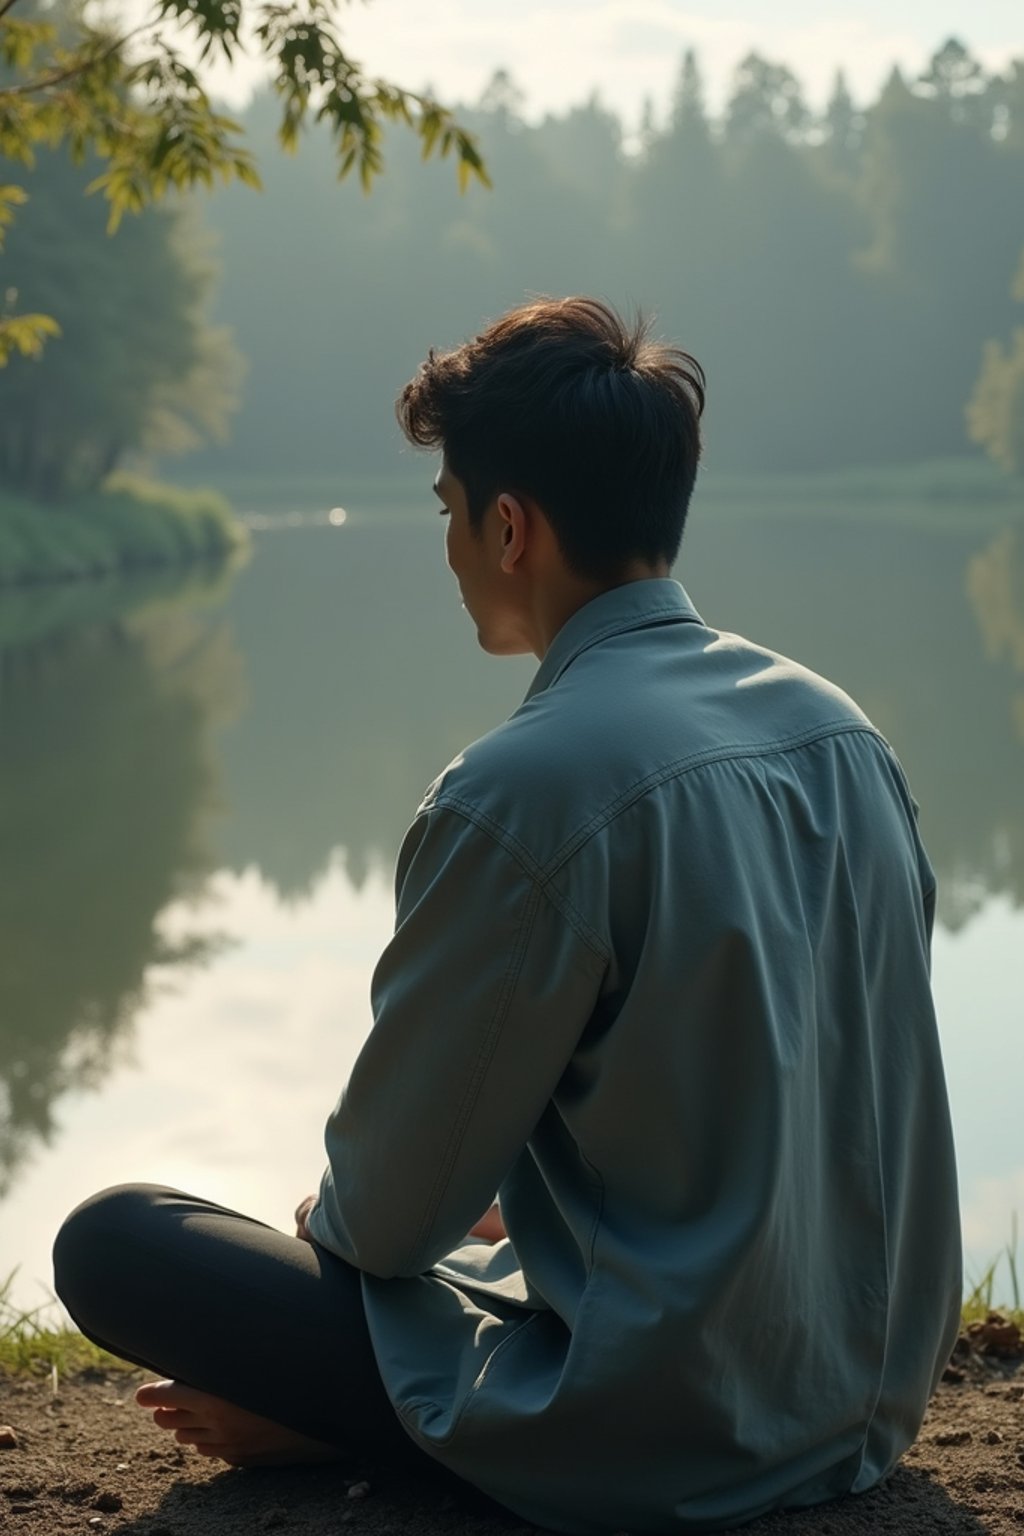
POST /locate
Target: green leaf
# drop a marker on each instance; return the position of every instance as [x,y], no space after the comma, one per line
[25,334]
[10,198]
[149,118]
[20,39]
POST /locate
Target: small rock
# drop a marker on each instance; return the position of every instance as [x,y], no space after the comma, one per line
[992,1437]
[952,1437]
[954,1375]
[997,1336]
[8,1439]
[109,1502]
[359,1490]
[122,1466]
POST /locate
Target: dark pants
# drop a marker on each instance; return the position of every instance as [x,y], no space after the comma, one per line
[223,1303]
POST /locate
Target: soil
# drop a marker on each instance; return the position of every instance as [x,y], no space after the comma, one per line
[89,1461]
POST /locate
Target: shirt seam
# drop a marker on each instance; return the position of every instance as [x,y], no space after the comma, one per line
[543,874]
[684,765]
[598,1213]
[533,871]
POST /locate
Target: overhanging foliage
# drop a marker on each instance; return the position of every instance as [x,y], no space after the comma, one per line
[131,98]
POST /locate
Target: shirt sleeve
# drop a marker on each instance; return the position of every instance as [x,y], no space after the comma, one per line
[478,1003]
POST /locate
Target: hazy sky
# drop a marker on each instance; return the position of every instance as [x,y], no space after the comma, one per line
[560,50]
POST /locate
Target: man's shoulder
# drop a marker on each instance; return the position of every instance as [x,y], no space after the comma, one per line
[629,714]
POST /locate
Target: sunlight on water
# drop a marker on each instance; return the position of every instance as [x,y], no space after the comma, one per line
[230,1073]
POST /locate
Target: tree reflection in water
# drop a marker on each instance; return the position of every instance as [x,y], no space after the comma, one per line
[107,782]
[995,586]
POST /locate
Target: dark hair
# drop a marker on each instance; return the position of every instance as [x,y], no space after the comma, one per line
[559,400]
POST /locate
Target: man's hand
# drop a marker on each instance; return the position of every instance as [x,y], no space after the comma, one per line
[490,1226]
[302,1210]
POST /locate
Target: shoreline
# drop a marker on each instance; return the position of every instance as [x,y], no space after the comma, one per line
[129,526]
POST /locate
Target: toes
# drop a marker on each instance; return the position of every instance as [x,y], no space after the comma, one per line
[194,1434]
[171,1418]
[152,1393]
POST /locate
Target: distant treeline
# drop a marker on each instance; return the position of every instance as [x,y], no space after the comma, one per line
[838,275]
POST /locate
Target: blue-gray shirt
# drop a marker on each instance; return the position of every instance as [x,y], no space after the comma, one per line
[660,975]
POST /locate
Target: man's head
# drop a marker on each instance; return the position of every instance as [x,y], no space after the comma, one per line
[562,404]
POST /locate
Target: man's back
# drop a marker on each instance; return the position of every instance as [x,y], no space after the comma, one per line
[733,1230]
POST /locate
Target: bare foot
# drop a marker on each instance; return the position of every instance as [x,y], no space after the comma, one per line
[214,1427]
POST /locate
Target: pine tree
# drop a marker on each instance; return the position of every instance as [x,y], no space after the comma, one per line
[843,128]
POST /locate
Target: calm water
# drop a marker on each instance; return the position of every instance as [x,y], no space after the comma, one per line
[200,804]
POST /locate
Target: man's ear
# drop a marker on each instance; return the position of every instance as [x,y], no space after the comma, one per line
[514,524]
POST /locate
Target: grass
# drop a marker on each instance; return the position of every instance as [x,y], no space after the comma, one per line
[31,1345]
[980,1300]
[130,524]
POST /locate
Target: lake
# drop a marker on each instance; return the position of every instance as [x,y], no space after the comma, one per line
[202,799]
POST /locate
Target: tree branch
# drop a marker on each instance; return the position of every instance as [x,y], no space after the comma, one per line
[5,7]
[74,70]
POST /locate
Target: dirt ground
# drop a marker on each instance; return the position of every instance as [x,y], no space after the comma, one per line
[88,1461]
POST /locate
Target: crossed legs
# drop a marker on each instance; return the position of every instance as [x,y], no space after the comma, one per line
[263,1336]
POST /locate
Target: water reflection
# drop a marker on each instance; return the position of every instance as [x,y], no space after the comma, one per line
[995,586]
[885,612]
[283,732]
[364,681]
[108,780]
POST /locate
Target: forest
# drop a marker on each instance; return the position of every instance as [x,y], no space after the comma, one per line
[851,280]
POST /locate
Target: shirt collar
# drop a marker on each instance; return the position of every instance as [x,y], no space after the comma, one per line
[635,605]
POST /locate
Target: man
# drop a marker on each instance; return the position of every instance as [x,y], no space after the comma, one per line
[660,978]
